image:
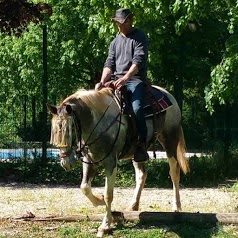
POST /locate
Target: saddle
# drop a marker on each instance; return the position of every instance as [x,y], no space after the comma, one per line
[155,102]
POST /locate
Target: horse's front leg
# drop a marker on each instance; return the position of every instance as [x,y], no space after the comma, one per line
[88,174]
[175,177]
[140,182]
[108,197]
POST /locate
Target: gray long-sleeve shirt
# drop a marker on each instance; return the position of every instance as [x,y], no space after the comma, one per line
[125,51]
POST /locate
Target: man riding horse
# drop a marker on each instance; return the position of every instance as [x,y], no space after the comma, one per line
[127,60]
[91,125]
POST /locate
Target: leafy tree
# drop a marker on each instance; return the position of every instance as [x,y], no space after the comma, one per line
[189,40]
[223,86]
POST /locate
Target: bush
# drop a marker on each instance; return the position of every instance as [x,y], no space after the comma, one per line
[206,171]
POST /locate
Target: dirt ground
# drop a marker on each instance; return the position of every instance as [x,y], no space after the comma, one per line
[18,200]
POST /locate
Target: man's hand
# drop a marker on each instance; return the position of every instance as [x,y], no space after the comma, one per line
[99,86]
[123,80]
[120,82]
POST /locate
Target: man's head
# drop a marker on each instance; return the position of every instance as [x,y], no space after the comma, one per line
[124,20]
[122,15]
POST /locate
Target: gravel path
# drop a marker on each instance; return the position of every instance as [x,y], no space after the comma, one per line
[18,199]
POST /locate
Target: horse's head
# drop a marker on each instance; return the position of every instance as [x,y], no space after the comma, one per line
[63,134]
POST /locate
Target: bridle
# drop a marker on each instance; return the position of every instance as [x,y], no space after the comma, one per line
[82,147]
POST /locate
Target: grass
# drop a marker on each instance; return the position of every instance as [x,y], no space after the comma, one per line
[126,230]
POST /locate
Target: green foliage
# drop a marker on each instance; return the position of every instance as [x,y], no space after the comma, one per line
[35,172]
[223,88]
[193,46]
[79,33]
[234,187]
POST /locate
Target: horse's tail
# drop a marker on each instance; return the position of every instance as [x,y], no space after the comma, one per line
[181,150]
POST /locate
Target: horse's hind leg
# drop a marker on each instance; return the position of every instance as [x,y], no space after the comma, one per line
[170,142]
[140,182]
[175,177]
[88,174]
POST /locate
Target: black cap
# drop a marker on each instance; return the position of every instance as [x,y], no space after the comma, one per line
[121,15]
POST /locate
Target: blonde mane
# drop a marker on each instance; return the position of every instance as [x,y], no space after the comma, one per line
[96,100]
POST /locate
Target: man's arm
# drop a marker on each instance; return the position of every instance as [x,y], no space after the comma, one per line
[108,68]
[106,75]
[141,53]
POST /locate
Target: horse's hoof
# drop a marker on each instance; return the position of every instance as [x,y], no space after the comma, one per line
[176,208]
[133,208]
[101,232]
[99,200]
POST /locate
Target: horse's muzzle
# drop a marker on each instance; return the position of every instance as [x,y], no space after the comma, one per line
[67,159]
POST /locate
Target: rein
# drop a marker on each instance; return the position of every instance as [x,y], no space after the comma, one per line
[83,147]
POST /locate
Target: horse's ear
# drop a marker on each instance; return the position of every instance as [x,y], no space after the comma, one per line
[52,108]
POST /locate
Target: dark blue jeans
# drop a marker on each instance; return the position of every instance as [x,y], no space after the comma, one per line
[136,89]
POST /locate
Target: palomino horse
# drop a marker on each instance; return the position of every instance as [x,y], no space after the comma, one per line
[91,123]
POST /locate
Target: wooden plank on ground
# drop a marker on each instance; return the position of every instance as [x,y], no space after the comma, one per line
[148,217]
[179,217]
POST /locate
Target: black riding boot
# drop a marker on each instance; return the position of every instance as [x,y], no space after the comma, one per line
[141,154]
